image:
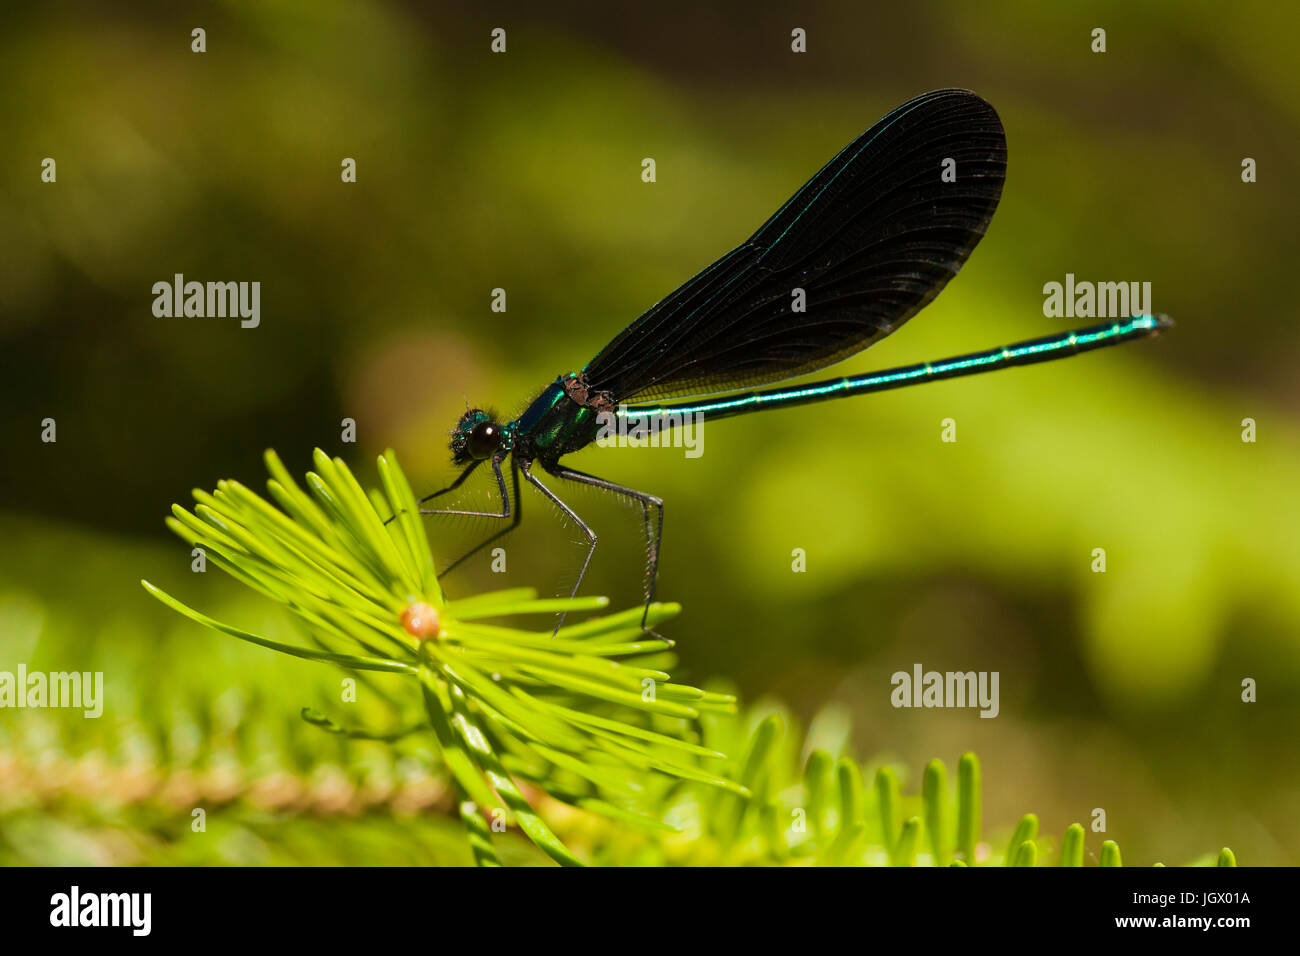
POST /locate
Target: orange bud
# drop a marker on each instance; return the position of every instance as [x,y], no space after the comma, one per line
[421,621]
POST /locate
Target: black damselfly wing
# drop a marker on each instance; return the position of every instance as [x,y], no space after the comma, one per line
[871,239]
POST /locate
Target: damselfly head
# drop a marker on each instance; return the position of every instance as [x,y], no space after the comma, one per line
[476,437]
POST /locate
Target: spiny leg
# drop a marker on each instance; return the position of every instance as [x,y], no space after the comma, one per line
[515,518]
[653,539]
[591,535]
[514,514]
[501,487]
[460,480]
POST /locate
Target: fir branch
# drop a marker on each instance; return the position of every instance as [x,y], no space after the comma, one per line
[573,704]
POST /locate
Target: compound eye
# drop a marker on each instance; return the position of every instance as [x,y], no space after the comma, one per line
[484,439]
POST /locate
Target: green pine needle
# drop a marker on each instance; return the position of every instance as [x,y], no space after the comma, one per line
[934,795]
[1072,846]
[969,814]
[1026,832]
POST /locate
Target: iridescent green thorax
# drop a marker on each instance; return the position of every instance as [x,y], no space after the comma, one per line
[556,423]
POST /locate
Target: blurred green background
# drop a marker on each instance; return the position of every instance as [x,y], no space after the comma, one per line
[522,171]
